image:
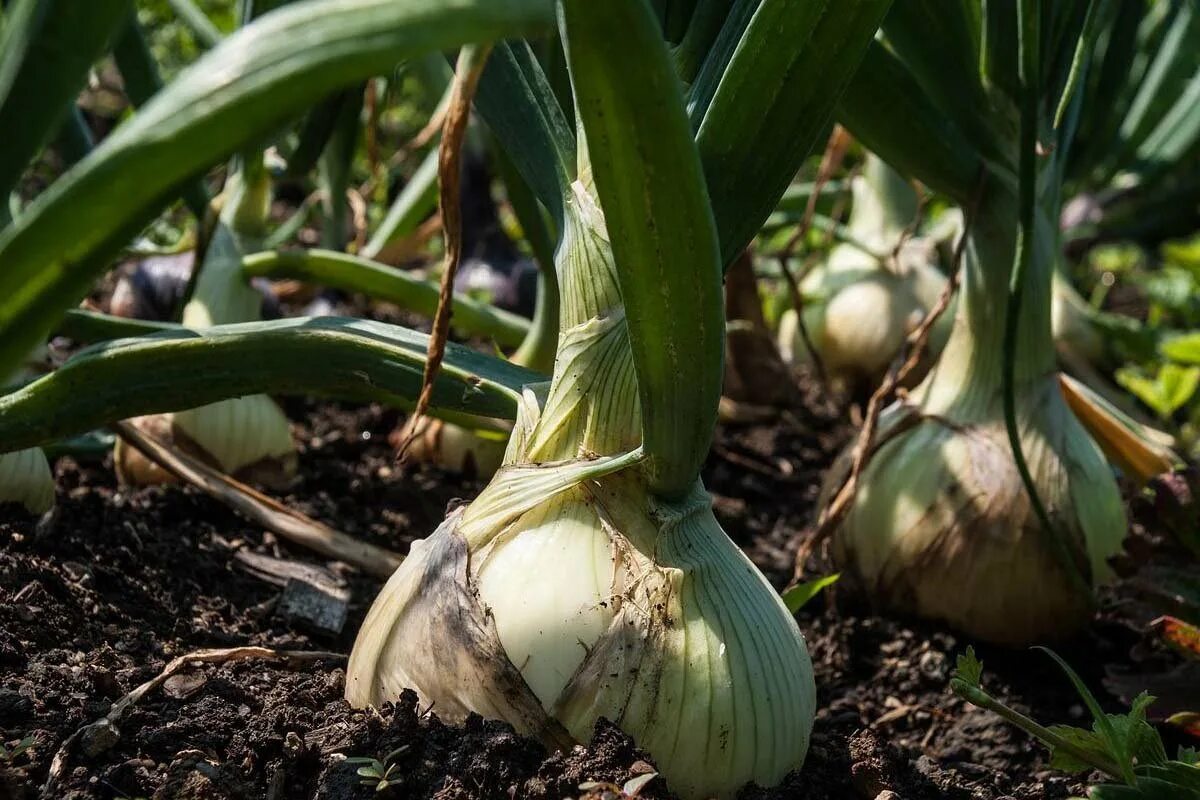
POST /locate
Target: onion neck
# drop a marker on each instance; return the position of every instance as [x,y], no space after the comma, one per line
[591,407]
[966,383]
[587,275]
[223,295]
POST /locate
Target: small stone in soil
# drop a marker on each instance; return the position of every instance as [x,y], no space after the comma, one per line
[184,684]
[322,607]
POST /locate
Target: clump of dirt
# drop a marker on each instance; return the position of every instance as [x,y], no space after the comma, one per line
[253,731]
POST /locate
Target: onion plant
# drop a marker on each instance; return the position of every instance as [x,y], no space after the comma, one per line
[985,503]
[45,52]
[244,435]
[634,604]
[863,301]
[645,612]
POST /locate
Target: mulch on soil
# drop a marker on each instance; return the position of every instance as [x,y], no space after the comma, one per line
[96,600]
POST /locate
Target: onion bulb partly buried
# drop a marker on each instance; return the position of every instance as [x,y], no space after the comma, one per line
[941,525]
[565,592]
[248,437]
[447,446]
[25,476]
[25,479]
[478,454]
[862,303]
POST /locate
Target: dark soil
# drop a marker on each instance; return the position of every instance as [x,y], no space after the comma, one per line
[97,599]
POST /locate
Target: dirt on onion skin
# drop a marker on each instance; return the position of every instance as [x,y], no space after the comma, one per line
[97,599]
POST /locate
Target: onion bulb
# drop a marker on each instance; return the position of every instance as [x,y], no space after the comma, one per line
[941,525]
[25,479]
[451,447]
[566,592]
[249,437]
[25,476]
[861,304]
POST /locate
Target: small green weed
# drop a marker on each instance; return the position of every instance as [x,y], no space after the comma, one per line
[378,773]
[1125,747]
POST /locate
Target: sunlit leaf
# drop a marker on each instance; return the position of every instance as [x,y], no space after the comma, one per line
[1165,393]
[1185,348]
[1183,252]
[968,668]
[1088,741]
[799,595]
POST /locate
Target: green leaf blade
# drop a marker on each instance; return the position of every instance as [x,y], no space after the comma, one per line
[968,668]
[353,274]
[518,104]
[927,146]
[348,359]
[46,50]
[651,186]
[774,100]
[798,596]
[257,78]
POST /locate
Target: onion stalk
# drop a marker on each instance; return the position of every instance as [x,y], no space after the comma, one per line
[566,591]
[869,294]
[246,436]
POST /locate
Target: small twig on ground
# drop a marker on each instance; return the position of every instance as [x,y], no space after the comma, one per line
[106,724]
[749,463]
[865,445]
[261,509]
[471,61]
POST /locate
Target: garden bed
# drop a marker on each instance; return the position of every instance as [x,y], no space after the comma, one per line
[98,598]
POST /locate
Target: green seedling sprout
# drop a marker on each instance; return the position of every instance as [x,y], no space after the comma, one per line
[379,773]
